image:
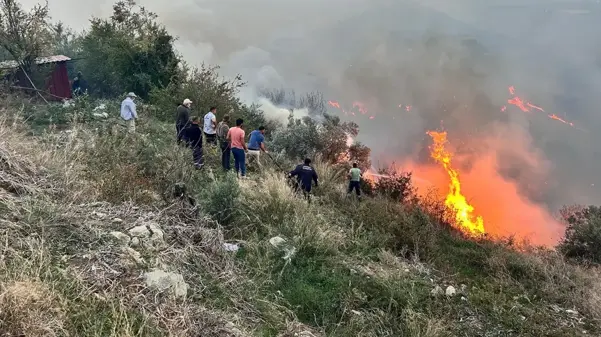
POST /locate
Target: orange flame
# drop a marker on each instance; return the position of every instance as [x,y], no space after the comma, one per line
[527,107]
[455,201]
[334,104]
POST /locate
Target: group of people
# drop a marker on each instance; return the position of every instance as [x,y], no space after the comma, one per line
[232,142]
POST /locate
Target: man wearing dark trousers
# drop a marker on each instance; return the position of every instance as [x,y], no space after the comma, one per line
[193,135]
[222,130]
[355,180]
[183,119]
[305,174]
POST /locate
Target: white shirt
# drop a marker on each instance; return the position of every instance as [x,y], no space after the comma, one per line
[208,123]
[128,109]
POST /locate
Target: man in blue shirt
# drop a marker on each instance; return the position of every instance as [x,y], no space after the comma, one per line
[256,144]
[305,175]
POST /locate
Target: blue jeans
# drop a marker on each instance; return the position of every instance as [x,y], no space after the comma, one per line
[239,160]
[354,185]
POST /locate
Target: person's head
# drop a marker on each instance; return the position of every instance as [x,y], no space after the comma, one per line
[131,95]
[195,120]
[355,165]
[79,74]
[239,122]
[307,161]
[262,129]
[187,103]
[213,109]
[226,118]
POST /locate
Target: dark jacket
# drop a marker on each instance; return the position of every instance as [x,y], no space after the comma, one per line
[193,135]
[183,115]
[304,174]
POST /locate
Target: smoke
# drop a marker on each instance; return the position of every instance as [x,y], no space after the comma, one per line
[280,114]
[450,60]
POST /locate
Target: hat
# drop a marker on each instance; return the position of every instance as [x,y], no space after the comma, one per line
[187,101]
[131,94]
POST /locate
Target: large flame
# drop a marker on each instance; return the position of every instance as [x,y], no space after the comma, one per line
[464,217]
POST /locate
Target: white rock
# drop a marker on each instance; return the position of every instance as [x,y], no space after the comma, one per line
[149,231]
[436,291]
[135,255]
[572,312]
[135,242]
[117,220]
[277,241]
[121,237]
[230,247]
[162,281]
[99,215]
[451,291]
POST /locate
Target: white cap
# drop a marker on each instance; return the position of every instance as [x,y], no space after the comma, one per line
[187,101]
[131,94]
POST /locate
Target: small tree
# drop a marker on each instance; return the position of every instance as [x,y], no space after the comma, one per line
[129,52]
[24,35]
[582,239]
[395,185]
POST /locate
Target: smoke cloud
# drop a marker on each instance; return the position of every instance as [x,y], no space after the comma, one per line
[420,65]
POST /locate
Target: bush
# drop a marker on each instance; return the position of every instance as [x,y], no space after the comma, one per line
[583,235]
[396,186]
[220,199]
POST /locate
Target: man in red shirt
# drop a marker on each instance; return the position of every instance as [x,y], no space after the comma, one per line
[236,137]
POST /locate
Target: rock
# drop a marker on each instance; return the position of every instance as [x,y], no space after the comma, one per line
[121,237]
[149,231]
[136,256]
[277,241]
[162,281]
[572,312]
[99,215]
[117,220]
[437,291]
[230,247]
[451,291]
[135,242]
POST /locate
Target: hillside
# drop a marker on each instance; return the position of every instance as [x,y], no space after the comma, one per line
[97,242]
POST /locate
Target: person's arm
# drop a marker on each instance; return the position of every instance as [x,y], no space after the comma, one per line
[132,108]
[263,147]
[315,178]
[214,121]
[243,142]
[294,172]
[350,175]
[186,116]
[228,137]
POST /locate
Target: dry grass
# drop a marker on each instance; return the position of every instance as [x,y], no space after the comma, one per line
[30,308]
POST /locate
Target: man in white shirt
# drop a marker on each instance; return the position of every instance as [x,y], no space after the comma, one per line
[210,125]
[128,112]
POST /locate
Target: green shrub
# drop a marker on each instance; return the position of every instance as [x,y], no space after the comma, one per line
[396,186]
[220,199]
[582,239]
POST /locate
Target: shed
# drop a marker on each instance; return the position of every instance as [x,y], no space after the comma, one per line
[56,81]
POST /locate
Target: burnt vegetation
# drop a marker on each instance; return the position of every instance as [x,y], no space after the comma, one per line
[257,260]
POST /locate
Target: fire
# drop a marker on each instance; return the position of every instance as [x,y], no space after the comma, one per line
[464,217]
[334,104]
[527,107]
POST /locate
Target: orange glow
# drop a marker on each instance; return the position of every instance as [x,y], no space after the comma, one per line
[334,104]
[464,217]
[555,117]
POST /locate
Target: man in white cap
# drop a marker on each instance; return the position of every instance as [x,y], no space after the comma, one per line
[128,112]
[183,118]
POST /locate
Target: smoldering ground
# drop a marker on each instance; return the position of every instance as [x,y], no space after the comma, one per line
[451,61]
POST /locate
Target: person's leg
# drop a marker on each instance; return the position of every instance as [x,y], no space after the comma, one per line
[350,187]
[131,125]
[225,155]
[179,128]
[197,155]
[243,163]
[358,188]
[236,153]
